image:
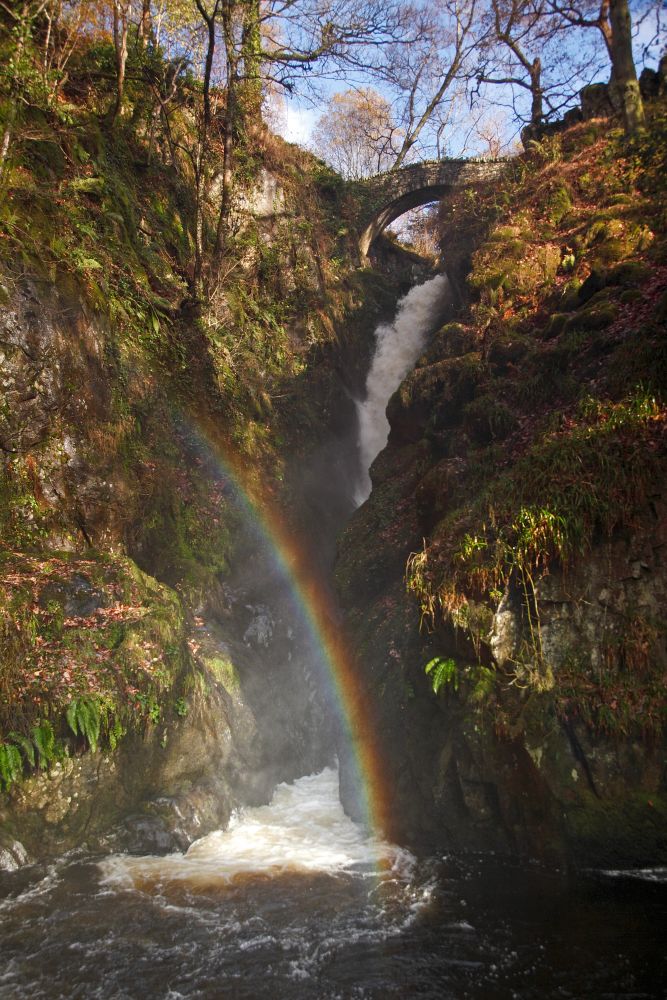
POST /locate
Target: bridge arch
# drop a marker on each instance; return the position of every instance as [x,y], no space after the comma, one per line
[385,197]
[395,209]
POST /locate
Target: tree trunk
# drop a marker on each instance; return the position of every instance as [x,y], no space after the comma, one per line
[198,223]
[233,128]
[6,139]
[203,143]
[24,22]
[120,46]
[249,99]
[536,108]
[227,174]
[145,23]
[624,75]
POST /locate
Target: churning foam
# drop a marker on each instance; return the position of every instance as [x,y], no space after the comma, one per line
[398,345]
[303,829]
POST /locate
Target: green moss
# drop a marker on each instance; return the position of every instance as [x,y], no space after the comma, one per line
[630,830]
[559,203]
[630,295]
[596,316]
[224,672]
[629,274]
[555,326]
[488,418]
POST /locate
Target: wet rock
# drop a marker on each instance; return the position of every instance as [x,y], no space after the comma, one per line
[13,854]
[159,790]
[505,631]
[260,630]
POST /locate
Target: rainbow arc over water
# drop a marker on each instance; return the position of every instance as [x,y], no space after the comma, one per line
[314,605]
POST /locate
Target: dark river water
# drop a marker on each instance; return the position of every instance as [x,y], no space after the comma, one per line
[294,901]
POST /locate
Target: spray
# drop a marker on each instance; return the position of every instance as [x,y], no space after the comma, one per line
[398,345]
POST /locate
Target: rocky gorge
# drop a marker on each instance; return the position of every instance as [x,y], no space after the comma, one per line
[503,585]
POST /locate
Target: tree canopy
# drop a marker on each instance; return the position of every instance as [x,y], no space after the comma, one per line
[193,76]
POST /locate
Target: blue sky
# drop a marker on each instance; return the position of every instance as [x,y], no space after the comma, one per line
[297,117]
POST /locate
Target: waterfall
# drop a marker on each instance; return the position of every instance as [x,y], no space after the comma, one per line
[397,347]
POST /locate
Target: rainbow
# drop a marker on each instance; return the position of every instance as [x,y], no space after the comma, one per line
[314,606]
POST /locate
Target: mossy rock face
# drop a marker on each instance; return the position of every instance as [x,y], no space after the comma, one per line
[602,297]
[77,596]
[629,295]
[614,240]
[364,565]
[435,394]
[514,263]
[560,203]
[570,298]
[160,789]
[487,419]
[450,341]
[535,270]
[629,274]
[605,226]
[218,660]
[508,235]
[504,352]
[594,317]
[557,323]
[612,250]
[610,834]
[595,281]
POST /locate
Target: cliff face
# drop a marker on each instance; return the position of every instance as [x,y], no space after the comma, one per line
[99,462]
[143,627]
[505,582]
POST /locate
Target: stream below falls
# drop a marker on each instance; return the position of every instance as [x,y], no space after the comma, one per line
[295,901]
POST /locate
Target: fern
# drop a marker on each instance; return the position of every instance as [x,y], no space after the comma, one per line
[116,733]
[11,765]
[24,744]
[84,718]
[72,717]
[485,684]
[45,741]
[443,673]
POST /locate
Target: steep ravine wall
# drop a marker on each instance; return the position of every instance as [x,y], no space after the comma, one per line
[514,537]
[114,477]
[521,778]
[98,623]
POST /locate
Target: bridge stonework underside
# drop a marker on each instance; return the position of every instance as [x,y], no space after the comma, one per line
[385,197]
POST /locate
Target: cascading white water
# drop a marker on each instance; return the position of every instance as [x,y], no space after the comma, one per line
[303,829]
[398,345]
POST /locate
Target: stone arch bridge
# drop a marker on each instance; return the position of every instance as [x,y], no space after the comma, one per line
[385,197]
